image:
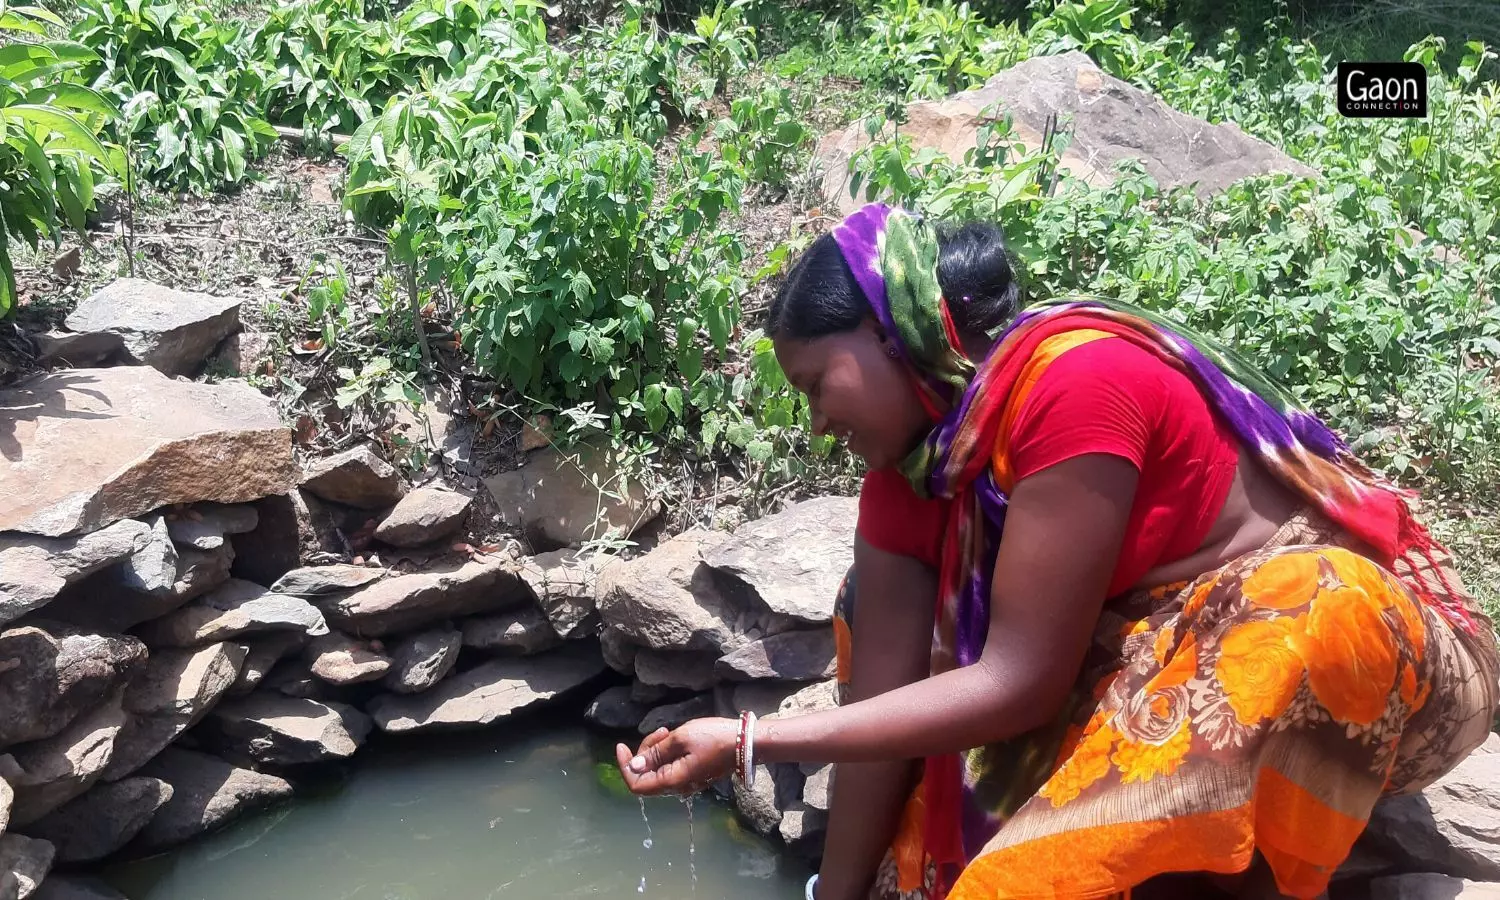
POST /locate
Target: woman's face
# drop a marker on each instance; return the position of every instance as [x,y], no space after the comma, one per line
[858,392]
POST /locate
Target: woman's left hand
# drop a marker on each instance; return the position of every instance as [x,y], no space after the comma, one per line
[681,761]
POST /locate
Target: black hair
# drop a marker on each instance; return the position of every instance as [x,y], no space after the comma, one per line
[821,297]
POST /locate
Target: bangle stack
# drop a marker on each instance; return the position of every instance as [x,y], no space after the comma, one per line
[744,750]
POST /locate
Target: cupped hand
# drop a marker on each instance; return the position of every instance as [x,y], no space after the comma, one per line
[685,760]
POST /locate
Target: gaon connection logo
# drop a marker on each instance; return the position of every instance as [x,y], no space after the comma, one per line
[1382,90]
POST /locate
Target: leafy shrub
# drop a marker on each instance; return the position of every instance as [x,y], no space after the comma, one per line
[50,152]
[187,85]
[765,133]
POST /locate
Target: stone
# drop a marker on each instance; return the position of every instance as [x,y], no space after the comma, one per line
[758,802]
[794,560]
[423,516]
[421,660]
[72,887]
[174,692]
[274,730]
[817,787]
[1107,121]
[57,769]
[318,581]
[235,609]
[27,861]
[409,602]
[651,695]
[261,655]
[789,656]
[666,599]
[435,425]
[356,477]
[293,677]
[801,823]
[34,570]
[1452,827]
[1491,744]
[62,673]
[242,353]
[170,330]
[565,499]
[8,770]
[1431,886]
[689,670]
[274,547]
[78,351]
[203,527]
[103,602]
[522,630]
[490,691]
[339,659]
[769,699]
[153,568]
[619,652]
[615,710]
[563,582]
[207,792]
[103,820]
[675,714]
[107,444]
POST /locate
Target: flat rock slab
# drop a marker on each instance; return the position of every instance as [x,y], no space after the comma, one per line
[666,600]
[563,582]
[205,526]
[342,660]
[317,581]
[409,602]
[174,692]
[61,767]
[235,609]
[553,498]
[206,793]
[356,477]
[522,630]
[34,570]
[285,731]
[795,560]
[27,861]
[1452,827]
[88,447]
[103,820]
[490,692]
[421,660]
[171,330]
[103,602]
[788,656]
[423,516]
[62,673]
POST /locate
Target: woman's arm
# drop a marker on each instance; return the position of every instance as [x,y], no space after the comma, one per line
[1062,536]
[892,648]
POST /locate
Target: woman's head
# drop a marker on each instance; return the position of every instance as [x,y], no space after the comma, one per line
[832,348]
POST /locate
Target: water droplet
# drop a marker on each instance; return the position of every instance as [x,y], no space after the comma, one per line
[646,843]
[642,888]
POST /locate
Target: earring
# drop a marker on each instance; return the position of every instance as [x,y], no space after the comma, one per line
[892,352]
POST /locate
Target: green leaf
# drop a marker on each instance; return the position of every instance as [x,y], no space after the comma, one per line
[70,133]
[674,400]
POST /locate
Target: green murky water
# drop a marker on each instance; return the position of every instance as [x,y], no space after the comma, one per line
[531,815]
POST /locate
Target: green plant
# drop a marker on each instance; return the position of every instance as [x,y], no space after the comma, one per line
[50,152]
[767,134]
[727,43]
[187,85]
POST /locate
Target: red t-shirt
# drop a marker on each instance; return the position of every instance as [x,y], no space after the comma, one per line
[1105,396]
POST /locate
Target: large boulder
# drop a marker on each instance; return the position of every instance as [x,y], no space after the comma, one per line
[788,656]
[34,570]
[24,862]
[565,499]
[523,630]
[274,730]
[795,560]
[563,582]
[425,515]
[342,660]
[1452,827]
[408,602]
[356,477]
[490,692]
[108,444]
[206,793]
[1107,119]
[667,600]
[170,330]
[421,660]
[59,768]
[235,609]
[103,820]
[57,674]
[174,692]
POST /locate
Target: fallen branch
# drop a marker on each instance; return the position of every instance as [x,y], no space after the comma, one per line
[288,133]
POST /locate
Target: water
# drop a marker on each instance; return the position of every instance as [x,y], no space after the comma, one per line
[472,818]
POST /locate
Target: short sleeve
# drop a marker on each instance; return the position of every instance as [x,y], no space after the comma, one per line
[894,519]
[1104,396]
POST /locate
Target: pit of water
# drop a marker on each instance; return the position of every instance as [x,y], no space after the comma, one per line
[533,810]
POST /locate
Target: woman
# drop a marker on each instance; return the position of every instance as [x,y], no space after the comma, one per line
[1134,611]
